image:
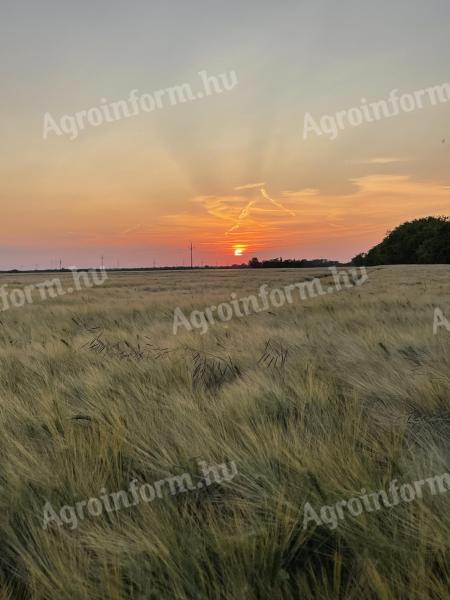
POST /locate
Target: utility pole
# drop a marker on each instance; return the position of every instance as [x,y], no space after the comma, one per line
[192,263]
[102,263]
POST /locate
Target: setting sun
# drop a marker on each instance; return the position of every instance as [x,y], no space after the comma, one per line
[239,249]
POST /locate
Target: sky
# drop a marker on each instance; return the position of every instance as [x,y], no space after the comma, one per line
[229,172]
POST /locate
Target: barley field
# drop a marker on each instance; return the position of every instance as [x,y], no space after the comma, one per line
[313,402]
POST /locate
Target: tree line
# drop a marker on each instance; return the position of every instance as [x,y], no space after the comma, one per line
[421,241]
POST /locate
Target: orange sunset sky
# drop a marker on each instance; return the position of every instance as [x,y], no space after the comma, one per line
[229,172]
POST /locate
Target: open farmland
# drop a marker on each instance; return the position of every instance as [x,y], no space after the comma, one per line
[312,402]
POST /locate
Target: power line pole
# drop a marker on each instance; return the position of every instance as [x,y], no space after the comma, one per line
[192,263]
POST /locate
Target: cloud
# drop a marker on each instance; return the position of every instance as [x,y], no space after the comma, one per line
[244,213]
[347,223]
[301,193]
[275,203]
[249,186]
[130,229]
[378,161]
[247,209]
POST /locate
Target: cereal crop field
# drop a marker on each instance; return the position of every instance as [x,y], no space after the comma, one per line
[297,407]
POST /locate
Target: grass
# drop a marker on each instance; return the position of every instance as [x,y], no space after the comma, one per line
[313,402]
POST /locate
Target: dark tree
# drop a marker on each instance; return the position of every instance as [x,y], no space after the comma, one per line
[254,262]
[425,241]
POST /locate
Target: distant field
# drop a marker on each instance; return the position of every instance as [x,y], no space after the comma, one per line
[313,401]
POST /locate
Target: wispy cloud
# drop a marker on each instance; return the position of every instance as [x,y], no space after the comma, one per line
[247,209]
[275,203]
[244,213]
[378,161]
[301,193]
[249,186]
[130,229]
[309,219]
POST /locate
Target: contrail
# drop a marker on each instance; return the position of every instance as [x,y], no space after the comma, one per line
[249,186]
[244,213]
[275,203]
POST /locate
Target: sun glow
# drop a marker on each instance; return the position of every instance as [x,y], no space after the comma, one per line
[239,249]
